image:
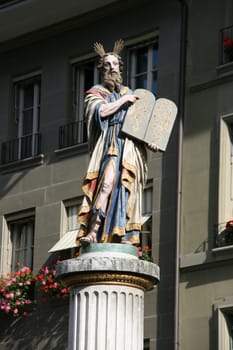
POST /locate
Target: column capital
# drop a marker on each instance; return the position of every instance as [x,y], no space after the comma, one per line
[108,263]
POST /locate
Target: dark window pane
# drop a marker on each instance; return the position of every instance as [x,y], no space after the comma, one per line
[28,96]
[154,82]
[142,56]
[141,81]
[155,56]
[88,77]
[27,122]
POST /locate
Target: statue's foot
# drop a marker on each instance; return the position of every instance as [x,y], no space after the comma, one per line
[125,241]
[87,240]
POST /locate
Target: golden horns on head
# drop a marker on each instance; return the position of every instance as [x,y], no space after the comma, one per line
[118,46]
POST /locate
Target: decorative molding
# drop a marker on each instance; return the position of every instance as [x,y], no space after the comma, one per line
[211,83]
[32,74]
[108,263]
[22,164]
[108,278]
[9,3]
[225,74]
[207,259]
[72,150]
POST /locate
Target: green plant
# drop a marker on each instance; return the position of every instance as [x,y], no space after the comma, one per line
[144,253]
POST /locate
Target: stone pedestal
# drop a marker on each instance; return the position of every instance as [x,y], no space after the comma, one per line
[107,284]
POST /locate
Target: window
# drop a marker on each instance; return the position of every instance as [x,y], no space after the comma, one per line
[226,48]
[17,242]
[22,238]
[69,228]
[85,75]
[143,70]
[225,173]
[146,231]
[71,212]
[27,112]
[225,327]
[26,116]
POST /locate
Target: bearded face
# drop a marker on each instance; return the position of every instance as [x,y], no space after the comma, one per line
[111,73]
[112,81]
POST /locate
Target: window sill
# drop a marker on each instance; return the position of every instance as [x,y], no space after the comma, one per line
[202,260]
[223,250]
[225,69]
[72,150]
[22,164]
[224,73]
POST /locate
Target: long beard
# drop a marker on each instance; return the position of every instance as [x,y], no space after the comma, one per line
[112,81]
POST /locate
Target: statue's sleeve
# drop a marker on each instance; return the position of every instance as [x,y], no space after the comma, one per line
[95,124]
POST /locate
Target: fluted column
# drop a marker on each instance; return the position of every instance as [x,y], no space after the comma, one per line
[107,284]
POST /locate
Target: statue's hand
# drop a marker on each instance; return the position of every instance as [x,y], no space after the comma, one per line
[131,98]
[153,147]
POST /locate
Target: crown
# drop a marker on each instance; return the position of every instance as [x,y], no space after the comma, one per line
[99,49]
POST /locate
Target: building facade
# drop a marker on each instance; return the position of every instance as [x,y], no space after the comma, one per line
[205,293]
[179,50]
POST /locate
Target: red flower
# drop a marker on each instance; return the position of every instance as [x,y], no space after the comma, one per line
[229,225]
[65,291]
[14,289]
[228,43]
[49,279]
[47,283]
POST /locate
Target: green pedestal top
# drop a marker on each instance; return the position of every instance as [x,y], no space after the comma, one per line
[110,248]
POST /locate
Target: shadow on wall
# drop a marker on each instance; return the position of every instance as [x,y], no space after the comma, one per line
[46,327]
[9,182]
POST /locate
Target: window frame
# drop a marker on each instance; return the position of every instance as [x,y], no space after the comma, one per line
[147,40]
[19,107]
[146,231]
[78,84]
[73,134]
[16,228]
[225,176]
[19,85]
[7,259]
[224,334]
[73,217]
[66,242]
